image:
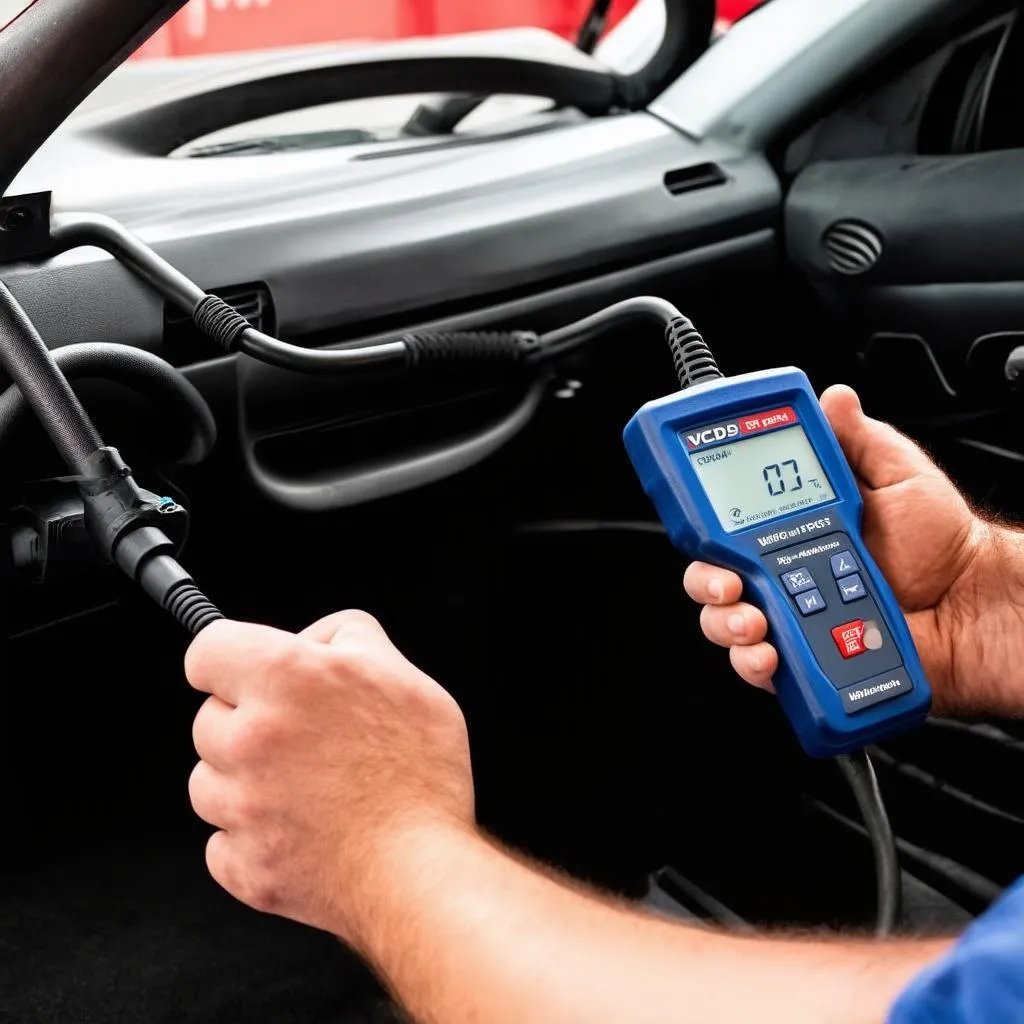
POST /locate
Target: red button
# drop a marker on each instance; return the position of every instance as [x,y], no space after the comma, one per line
[849,638]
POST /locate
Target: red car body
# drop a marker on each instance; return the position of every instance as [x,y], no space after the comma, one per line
[218,26]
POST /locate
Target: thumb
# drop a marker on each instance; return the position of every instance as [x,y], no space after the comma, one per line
[879,454]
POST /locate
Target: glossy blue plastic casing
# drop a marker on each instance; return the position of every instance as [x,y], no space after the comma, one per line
[809,699]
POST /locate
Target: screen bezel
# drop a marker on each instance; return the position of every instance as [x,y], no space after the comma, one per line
[682,429]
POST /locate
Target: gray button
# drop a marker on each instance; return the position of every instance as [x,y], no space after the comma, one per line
[851,588]
[798,580]
[874,691]
[810,602]
[843,564]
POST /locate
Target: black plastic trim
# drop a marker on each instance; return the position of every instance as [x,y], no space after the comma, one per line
[53,54]
[360,483]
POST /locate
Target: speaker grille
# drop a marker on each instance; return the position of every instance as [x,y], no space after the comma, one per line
[852,247]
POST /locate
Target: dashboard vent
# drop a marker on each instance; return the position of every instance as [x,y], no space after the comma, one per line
[253,301]
[690,179]
[852,247]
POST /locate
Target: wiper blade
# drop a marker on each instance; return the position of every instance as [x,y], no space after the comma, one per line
[285,143]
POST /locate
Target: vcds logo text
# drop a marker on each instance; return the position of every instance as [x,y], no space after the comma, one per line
[712,434]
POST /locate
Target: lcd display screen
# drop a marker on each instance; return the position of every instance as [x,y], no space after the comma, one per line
[761,477]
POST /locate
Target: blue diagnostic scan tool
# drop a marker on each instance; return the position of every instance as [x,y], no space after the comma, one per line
[746,473]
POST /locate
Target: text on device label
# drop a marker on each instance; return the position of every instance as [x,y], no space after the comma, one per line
[754,423]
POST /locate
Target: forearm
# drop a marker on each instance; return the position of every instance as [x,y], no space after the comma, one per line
[464,932]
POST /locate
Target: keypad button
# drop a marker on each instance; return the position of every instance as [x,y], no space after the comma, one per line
[810,601]
[797,581]
[849,638]
[843,564]
[851,588]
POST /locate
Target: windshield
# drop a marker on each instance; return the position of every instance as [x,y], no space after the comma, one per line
[10,9]
[209,38]
[220,26]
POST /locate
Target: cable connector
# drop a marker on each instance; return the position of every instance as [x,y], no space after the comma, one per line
[147,556]
[115,504]
[127,523]
[693,360]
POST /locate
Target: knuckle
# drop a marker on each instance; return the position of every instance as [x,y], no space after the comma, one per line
[283,661]
[218,861]
[358,621]
[264,888]
[201,724]
[248,806]
[263,893]
[253,737]
[349,657]
[196,783]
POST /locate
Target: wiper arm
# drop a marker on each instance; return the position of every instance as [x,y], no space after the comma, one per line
[593,26]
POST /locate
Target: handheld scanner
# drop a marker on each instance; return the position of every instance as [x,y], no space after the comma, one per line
[746,473]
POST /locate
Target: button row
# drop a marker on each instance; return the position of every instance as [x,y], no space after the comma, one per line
[801,585]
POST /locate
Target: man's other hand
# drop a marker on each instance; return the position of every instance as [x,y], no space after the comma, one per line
[948,568]
[320,753]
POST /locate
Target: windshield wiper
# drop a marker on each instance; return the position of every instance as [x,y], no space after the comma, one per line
[284,143]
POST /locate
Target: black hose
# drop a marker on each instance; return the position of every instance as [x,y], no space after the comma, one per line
[143,372]
[619,314]
[860,776]
[116,508]
[30,364]
[233,333]
[74,230]
[311,360]
[691,356]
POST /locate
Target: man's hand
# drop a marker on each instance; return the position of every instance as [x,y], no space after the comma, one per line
[339,776]
[321,754]
[948,568]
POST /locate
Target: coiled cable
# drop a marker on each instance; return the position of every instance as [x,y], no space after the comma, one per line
[145,373]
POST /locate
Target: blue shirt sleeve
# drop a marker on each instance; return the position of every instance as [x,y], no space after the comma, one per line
[981,980]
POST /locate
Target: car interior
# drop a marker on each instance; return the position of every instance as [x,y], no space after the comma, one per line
[486,514]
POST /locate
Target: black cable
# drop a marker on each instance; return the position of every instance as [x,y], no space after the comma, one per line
[145,373]
[618,315]
[860,776]
[118,513]
[234,333]
[30,365]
